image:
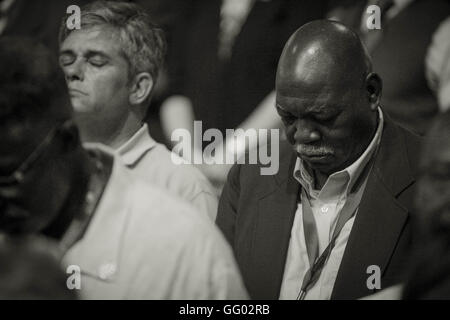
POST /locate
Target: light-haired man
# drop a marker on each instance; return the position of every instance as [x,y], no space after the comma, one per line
[111,66]
[123,237]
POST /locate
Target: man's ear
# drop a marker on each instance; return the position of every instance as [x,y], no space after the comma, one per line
[374,88]
[141,88]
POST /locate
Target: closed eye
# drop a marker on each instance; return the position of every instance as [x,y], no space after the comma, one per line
[66,59]
[286,116]
[97,61]
[288,120]
[326,119]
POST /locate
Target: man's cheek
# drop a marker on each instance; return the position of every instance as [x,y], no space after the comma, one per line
[338,137]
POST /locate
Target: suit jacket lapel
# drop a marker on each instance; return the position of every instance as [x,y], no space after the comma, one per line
[380,218]
[276,211]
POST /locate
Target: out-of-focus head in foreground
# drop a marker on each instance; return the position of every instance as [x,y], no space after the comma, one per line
[36,135]
[30,270]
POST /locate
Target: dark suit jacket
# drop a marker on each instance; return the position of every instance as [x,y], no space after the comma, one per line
[256,214]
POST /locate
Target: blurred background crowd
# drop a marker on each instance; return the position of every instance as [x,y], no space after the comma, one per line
[222,55]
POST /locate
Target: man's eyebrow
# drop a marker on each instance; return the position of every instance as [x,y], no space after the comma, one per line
[327,110]
[88,54]
[66,51]
[92,53]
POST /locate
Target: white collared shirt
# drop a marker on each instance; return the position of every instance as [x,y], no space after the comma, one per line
[142,243]
[153,162]
[326,205]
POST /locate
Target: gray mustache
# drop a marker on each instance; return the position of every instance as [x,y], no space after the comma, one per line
[313,150]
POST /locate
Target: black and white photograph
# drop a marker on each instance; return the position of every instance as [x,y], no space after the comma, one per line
[226,155]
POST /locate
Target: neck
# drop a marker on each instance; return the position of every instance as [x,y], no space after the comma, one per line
[113,136]
[129,128]
[320,179]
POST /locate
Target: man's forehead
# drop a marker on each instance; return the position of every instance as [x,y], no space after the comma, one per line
[321,101]
[98,39]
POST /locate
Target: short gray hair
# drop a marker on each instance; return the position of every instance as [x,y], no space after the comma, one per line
[143,42]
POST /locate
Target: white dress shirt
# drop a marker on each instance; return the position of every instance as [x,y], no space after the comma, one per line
[153,162]
[326,205]
[142,243]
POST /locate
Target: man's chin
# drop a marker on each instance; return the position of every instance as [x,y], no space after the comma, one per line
[80,105]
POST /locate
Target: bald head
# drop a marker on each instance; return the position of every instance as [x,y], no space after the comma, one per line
[327,95]
[321,53]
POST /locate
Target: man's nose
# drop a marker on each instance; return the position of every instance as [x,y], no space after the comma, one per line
[75,71]
[305,132]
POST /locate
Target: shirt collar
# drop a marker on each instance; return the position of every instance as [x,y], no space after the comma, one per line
[347,176]
[137,146]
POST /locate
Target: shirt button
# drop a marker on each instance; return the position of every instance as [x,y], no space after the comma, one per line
[107,271]
[324,209]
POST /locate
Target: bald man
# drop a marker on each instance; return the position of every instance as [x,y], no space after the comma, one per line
[333,223]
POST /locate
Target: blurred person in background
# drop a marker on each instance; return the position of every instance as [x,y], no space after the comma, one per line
[166,14]
[111,67]
[222,66]
[438,65]
[130,239]
[39,19]
[430,276]
[398,51]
